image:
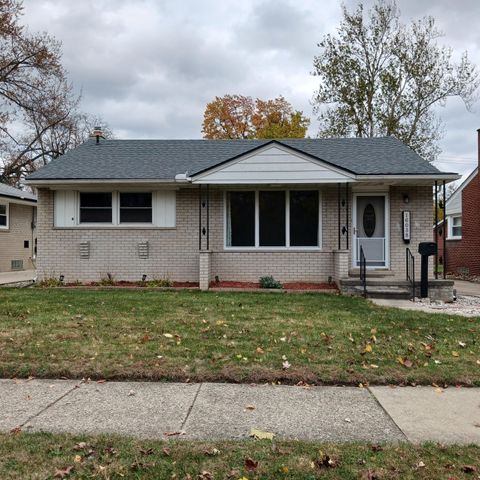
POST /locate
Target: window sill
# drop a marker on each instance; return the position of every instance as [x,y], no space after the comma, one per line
[454,238]
[114,227]
[272,249]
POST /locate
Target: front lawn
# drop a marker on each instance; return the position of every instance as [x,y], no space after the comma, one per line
[239,337]
[47,456]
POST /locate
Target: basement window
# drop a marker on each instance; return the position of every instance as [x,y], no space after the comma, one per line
[135,207]
[273,219]
[95,207]
[3,215]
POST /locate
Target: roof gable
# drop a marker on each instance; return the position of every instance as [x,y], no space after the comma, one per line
[273,163]
[454,202]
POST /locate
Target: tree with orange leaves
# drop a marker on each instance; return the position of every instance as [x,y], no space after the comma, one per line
[238,116]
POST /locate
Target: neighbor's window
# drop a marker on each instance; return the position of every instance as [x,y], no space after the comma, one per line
[3,216]
[260,219]
[456,226]
[135,207]
[96,207]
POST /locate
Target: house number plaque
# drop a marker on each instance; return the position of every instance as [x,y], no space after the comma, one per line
[406,226]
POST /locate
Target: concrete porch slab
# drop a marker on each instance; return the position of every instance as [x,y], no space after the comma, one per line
[316,413]
[428,414]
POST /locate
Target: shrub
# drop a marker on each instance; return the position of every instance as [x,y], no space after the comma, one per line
[159,283]
[107,280]
[269,282]
[50,282]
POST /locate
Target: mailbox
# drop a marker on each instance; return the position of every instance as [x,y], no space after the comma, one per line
[427,248]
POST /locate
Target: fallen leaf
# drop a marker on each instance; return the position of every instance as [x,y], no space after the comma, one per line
[325,461]
[469,468]
[146,338]
[260,435]
[285,469]
[62,472]
[147,451]
[131,393]
[172,434]
[168,335]
[213,452]
[462,344]
[347,420]
[250,407]
[250,464]
[420,465]
[377,448]
[166,451]
[286,365]
[455,354]
[77,459]
[205,475]
[368,348]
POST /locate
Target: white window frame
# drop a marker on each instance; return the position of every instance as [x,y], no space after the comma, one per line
[115,211]
[7,214]
[257,246]
[450,219]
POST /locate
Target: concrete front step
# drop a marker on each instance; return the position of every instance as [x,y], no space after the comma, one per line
[387,292]
[380,273]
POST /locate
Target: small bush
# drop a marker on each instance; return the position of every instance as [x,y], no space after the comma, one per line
[269,282]
[159,283]
[50,282]
[107,280]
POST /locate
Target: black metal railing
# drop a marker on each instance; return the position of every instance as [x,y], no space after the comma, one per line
[363,271]
[410,269]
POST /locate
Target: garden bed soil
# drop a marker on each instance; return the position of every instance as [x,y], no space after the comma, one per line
[285,286]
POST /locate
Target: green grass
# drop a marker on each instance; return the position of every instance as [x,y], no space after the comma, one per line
[42,456]
[238,337]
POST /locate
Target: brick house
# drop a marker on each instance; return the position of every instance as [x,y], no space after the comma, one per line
[17,229]
[197,210]
[462,227]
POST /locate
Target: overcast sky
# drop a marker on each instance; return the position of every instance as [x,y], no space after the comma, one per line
[148,67]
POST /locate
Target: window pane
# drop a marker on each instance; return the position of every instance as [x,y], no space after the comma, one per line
[103,199]
[272,219]
[3,209]
[136,200]
[95,215]
[456,231]
[457,221]
[135,215]
[304,218]
[241,219]
[3,220]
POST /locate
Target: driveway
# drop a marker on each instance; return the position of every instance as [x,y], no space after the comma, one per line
[17,277]
[467,288]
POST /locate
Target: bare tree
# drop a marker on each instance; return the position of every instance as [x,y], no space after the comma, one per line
[39,116]
[381,77]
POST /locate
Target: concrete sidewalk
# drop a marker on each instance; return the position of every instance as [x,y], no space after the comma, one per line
[9,278]
[227,411]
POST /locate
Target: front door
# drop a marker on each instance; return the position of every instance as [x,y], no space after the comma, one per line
[370,232]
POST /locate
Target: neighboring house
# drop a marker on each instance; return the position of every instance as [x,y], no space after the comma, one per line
[17,229]
[462,227]
[199,210]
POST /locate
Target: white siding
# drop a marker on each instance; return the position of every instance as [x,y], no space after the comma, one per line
[274,165]
[164,207]
[65,208]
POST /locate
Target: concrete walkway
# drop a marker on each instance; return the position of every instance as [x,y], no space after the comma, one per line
[226,411]
[17,277]
[467,288]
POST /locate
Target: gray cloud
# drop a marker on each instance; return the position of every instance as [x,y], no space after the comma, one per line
[149,67]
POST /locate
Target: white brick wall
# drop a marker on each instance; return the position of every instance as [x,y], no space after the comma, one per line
[173,253]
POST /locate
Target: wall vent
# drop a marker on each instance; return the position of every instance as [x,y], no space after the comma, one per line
[17,265]
[143,249]
[85,250]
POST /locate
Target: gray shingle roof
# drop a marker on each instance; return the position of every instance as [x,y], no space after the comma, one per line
[11,192]
[163,159]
